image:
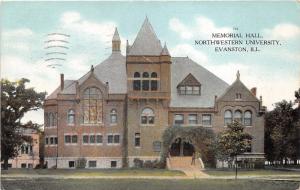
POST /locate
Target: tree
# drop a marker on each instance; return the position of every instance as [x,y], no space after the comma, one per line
[233,142]
[281,132]
[16,100]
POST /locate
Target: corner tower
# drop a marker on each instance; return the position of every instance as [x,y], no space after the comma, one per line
[148,67]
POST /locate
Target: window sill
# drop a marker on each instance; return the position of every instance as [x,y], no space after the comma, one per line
[71,144]
[208,126]
[51,145]
[92,124]
[145,125]
[113,124]
[70,125]
[94,144]
[113,144]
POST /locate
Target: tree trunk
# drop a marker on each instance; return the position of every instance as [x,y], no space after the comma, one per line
[5,164]
[236,167]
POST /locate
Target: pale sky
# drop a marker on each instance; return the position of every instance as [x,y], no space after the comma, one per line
[275,70]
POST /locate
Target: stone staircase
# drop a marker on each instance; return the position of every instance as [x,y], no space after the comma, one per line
[183,163]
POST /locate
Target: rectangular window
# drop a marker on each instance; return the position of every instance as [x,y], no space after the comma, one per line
[113,118]
[178,119]
[67,139]
[193,119]
[74,138]
[47,140]
[196,90]
[71,164]
[182,90]
[137,140]
[110,139]
[113,164]
[51,140]
[206,119]
[156,146]
[151,119]
[92,139]
[144,119]
[92,163]
[85,139]
[23,165]
[189,90]
[99,139]
[55,140]
[117,139]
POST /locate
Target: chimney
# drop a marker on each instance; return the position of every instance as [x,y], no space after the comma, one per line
[253,91]
[62,81]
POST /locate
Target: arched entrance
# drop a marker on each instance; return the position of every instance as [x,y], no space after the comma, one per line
[181,147]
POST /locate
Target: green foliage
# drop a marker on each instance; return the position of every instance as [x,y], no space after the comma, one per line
[281,132]
[81,163]
[232,142]
[16,100]
[202,139]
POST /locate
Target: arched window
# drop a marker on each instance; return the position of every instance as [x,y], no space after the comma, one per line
[248,118]
[71,117]
[137,82]
[227,117]
[145,81]
[51,119]
[46,119]
[154,81]
[92,105]
[113,116]
[238,116]
[147,116]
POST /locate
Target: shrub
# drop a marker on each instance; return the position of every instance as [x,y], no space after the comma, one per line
[81,163]
[138,163]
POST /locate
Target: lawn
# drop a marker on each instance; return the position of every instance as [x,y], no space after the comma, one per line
[261,172]
[138,184]
[95,172]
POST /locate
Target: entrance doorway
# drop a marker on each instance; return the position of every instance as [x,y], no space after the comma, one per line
[180,147]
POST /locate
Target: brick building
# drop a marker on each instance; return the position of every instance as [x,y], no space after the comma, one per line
[28,153]
[118,110]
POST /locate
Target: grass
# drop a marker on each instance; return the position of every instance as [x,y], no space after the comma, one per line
[137,184]
[252,173]
[95,172]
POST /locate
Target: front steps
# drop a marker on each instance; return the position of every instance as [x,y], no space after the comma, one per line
[183,163]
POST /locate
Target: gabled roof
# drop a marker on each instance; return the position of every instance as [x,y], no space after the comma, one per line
[189,80]
[111,70]
[146,41]
[211,85]
[237,87]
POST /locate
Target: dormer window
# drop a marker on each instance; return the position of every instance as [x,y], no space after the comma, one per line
[189,90]
[189,86]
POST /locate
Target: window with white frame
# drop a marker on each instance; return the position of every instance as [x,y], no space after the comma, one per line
[193,119]
[178,119]
[206,120]
[92,163]
[71,139]
[227,117]
[248,118]
[85,139]
[113,116]
[99,139]
[147,116]
[113,139]
[71,117]
[238,116]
